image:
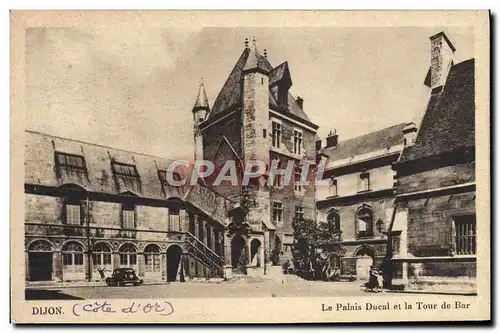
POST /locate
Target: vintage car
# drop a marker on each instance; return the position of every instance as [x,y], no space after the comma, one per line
[123,276]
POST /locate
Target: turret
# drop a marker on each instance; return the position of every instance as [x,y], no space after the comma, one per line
[201,109]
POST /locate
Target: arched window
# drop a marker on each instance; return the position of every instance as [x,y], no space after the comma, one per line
[72,254]
[152,258]
[333,220]
[40,246]
[102,255]
[364,218]
[128,255]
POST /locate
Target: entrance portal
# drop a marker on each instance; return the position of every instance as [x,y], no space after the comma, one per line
[174,254]
[255,252]
[238,255]
[40,266]
[364,259]
[40,261]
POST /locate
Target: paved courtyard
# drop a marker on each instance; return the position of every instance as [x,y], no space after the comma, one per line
[241,289]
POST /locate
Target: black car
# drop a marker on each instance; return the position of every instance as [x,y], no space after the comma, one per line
[123,276]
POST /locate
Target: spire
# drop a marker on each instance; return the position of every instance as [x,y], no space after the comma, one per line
[255,60]
[201,99]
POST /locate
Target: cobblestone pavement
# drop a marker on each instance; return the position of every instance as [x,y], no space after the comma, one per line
[241,289]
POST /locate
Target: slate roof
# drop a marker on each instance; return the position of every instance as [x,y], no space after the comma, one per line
[230,94]
[448,122]
[201,99]
[40,166]
[370,142]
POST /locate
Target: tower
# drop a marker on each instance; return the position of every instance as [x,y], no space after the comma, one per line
[201,109]
[255,121]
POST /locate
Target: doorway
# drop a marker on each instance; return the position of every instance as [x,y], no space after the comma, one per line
[174,254]
[40,266]
[365,257]
[238,259]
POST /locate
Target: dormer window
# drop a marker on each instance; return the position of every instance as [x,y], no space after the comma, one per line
[127,177]
[283,95]
[71,168]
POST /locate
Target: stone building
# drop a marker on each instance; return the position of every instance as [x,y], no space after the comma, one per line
[434,224]
[90,209]
[255,117]
[357,193]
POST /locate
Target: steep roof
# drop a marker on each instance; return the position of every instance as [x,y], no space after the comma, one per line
[449,119]
[201,100]
[379,140]
[230,94]
[40,166]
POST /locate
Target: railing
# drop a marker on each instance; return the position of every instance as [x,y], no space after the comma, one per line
[205,254]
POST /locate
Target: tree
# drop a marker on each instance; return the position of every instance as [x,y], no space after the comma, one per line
[313,245]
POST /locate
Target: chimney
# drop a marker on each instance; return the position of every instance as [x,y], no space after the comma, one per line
[300,102]
[332,139]
[442,52]
[409,134]
[318,144]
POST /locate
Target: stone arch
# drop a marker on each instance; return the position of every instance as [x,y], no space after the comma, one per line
[174,259]
[365,258]
[73,187]
[149,245]
[255,247]
[63,244]
[40,260]
[238,249]
[364,220]
[31,244]
[102,242]
[365,249]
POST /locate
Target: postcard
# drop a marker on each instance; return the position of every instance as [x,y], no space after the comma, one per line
[250,167]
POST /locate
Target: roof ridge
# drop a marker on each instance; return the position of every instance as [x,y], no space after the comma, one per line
[376,131]
[98,145]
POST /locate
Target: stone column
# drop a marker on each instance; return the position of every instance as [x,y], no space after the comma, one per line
[163,265]
[57,267]
[116,260]
[228,269]
[197,226]
[205,236]
[141,263]
[26,266]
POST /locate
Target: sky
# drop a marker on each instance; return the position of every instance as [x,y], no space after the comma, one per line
[134,89]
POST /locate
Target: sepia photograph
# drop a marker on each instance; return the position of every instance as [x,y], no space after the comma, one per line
[248,162]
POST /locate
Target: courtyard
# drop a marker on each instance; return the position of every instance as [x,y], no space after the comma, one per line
[231,289]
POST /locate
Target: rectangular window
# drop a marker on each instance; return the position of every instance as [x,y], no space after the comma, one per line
[333,187]
[299,213]
[465,234]
[364,182]
[128,259]
[174,222]
[395,242]
[278,179]
[276,127]
[73,214]
[297,142]
[277,212]
[128,218]
[297,184]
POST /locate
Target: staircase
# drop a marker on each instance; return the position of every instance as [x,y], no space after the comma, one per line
[199,254]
